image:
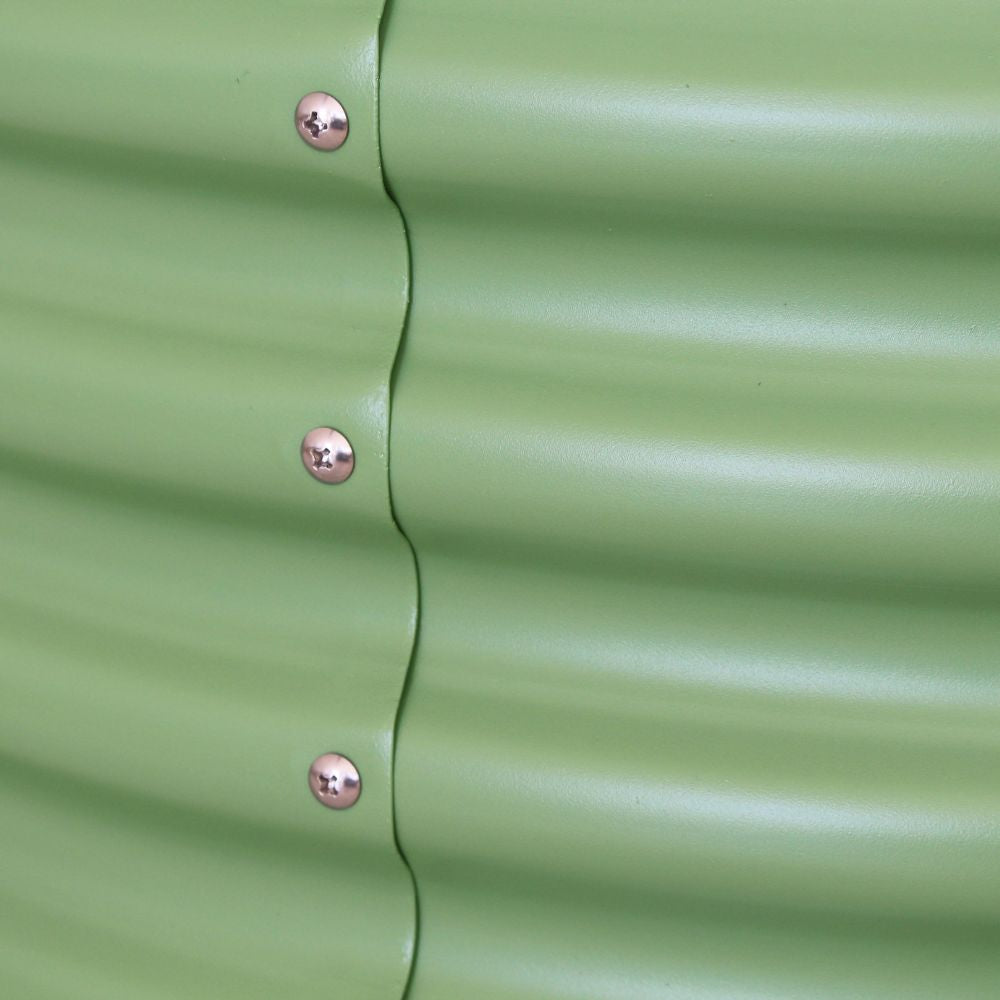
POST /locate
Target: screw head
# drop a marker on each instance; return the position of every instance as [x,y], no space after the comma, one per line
[327,455]
[334,781]
[321,121]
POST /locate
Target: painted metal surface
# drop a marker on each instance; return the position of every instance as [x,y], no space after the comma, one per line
[695,436]
[186,617]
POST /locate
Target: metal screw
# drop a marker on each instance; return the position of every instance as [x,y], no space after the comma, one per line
[334,781]
[321,121]
[327,455]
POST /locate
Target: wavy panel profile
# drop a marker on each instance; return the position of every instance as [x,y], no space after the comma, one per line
[695,439]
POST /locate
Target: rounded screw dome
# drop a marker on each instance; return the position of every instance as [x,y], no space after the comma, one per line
[321,121]
[334,781]
[327,455]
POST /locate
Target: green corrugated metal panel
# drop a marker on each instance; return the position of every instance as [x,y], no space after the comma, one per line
[695,437]
[186,618]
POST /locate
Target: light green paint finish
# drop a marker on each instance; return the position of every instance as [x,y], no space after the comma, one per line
[186,618]
[695,437]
